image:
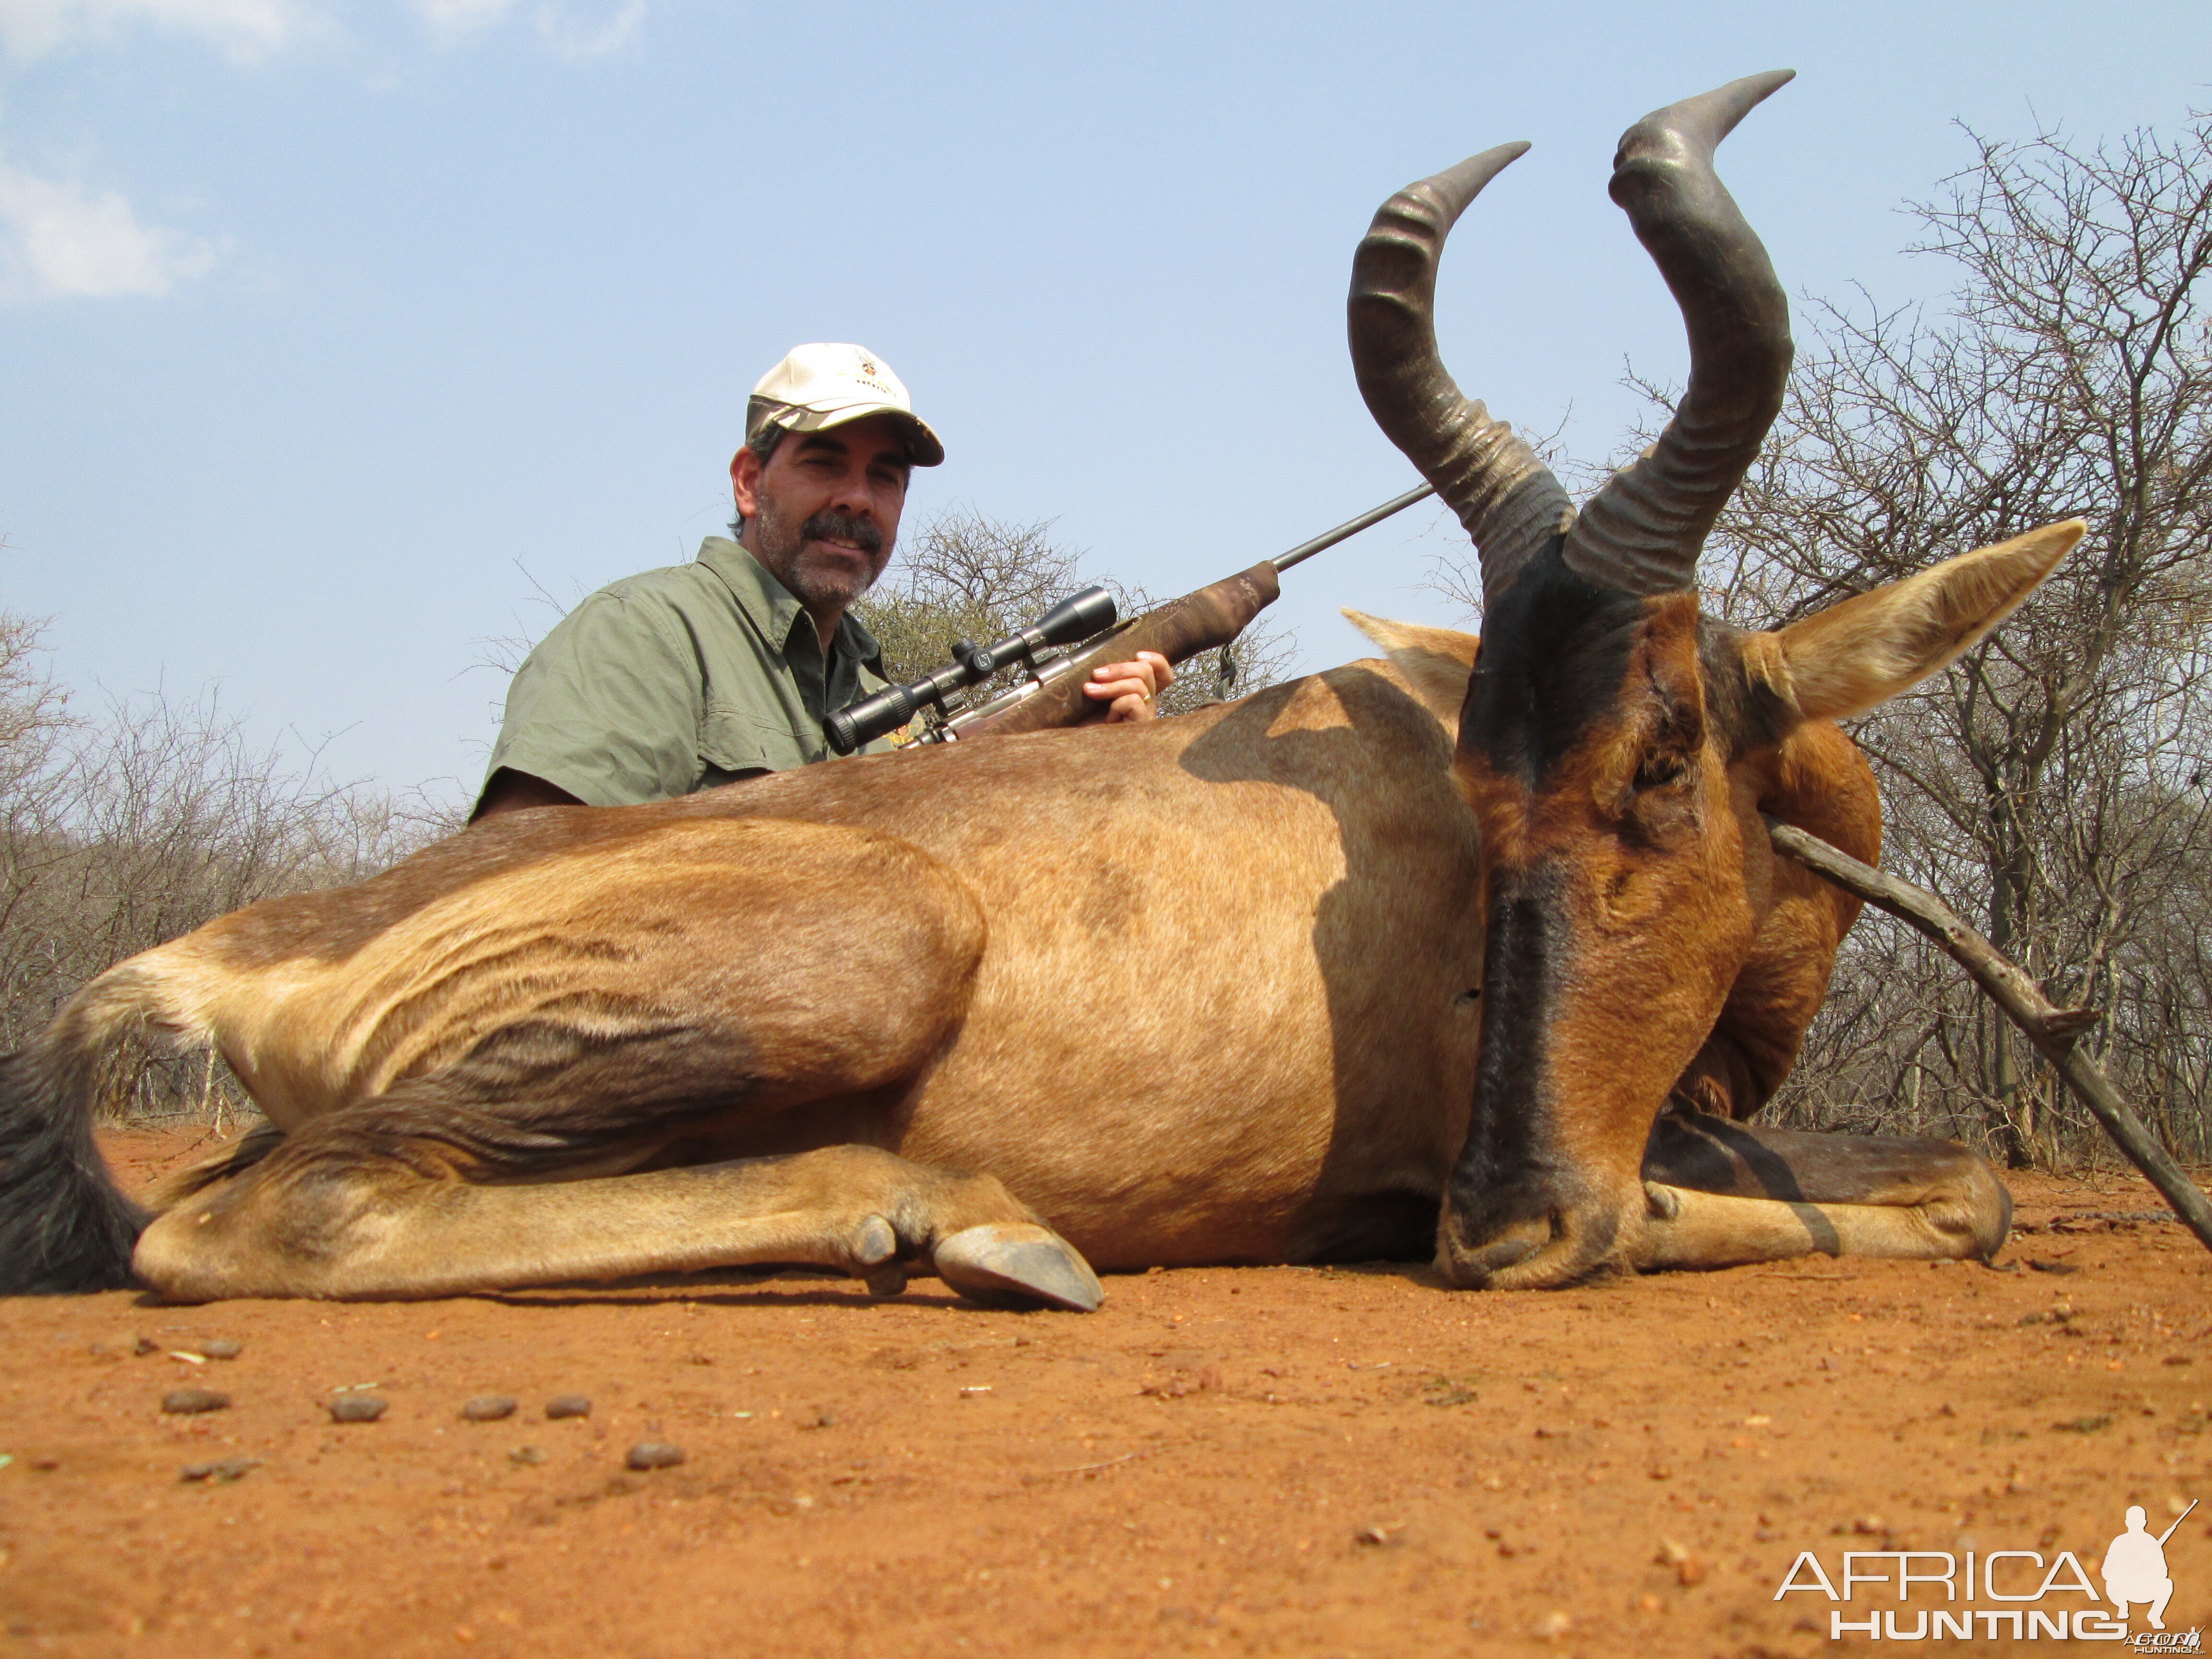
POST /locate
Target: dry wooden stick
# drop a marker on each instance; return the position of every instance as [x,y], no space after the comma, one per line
[2055,1031]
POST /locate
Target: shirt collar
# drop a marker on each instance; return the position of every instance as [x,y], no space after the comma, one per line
[774,609]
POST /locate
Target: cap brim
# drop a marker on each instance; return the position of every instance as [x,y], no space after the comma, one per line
[927,449]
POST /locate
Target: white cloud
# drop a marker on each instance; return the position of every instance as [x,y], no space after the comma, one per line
[455,23]
[451,21]
[246,30]
[250,30]
[574,42]
[59,241]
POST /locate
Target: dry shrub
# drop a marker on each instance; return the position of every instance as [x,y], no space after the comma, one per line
[121,830]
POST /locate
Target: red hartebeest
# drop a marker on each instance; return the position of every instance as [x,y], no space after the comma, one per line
[1486,954]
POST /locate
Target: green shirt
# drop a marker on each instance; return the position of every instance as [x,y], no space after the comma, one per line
[680,680]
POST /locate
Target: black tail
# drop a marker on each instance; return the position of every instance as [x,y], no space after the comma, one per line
[64,1225]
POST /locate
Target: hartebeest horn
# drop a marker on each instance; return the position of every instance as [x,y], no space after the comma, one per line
[1508,501]
[1641,533]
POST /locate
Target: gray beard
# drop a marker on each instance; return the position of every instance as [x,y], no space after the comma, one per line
[779,546]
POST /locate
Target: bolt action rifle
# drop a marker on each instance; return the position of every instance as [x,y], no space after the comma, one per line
[1051,693]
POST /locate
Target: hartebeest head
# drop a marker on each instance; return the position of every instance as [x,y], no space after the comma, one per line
[1616,746]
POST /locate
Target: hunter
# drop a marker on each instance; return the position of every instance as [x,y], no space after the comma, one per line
[679,679]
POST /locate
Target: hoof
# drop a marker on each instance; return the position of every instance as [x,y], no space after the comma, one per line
[875,1242]
[1012,1264]
[875,1253]
[886,1282]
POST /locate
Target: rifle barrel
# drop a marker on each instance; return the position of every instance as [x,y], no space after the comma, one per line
[1329,538]
[2176,1526]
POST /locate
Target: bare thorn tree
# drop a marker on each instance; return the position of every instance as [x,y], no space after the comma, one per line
[2056,775]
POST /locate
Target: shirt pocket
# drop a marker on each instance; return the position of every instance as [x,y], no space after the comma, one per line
[728,746]
[785,748]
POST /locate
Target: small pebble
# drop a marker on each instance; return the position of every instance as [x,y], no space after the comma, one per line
[568,1405]
[489,1408]
[145,1345]
[528,1456]
[820,1418]
[183,1403]
[220,1347]
[231,1468]
[356,1408]
[655,1454]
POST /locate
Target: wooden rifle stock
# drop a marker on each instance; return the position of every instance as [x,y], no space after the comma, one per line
[1178,630]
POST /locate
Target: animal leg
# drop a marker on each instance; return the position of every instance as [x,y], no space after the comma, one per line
[1720,1194]
[347,1212]
[516,1083]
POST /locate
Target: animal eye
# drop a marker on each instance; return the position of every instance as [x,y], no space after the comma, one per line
[1659,769]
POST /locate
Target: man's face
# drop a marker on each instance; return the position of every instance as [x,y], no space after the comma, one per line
[823,513]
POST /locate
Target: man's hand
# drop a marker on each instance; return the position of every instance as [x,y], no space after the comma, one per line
[1132,689]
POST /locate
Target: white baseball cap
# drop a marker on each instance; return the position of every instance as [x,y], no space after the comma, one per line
[818,386]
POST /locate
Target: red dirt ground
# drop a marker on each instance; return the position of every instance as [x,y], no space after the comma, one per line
[1277,1461]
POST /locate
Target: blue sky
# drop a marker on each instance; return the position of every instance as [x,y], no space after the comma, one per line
[328,329]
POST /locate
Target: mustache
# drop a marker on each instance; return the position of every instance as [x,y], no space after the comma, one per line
[844,527]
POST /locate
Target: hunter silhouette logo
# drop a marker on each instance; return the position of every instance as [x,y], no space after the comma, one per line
[2135,1567]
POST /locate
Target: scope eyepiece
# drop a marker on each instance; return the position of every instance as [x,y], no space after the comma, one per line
[860,724]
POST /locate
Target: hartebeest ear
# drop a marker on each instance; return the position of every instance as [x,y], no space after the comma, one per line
[1844,660]
[1436,662]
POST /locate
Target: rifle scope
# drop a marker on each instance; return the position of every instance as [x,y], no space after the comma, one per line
[1077,617]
